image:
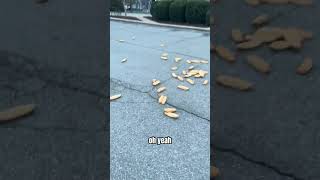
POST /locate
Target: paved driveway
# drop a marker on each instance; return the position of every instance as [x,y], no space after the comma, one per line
[272,132]
[137,114]
[54,56]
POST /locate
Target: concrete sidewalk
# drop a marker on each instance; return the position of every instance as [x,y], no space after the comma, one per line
[271,132]
[137,115]
[144,20]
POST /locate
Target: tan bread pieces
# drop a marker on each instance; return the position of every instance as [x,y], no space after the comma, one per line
[253,2]
[249,44]
[161,89]
[114,97]
[261,20]
[193,72]
[174,68]
[202,73]
[205,82]
[185,88]
[295,37]
[155,82]
[172,115]
[204,62]
[225,54]
[237,35]
[180,78]
[177,59]
[164,58]
[263,35]
[233,82]
[258,64]
[279,45]
[214,172]
[305,67]
[268,34]
[16,112]
[280,38]
[195,61]
[162,99]
[174,75]
[170,110]
[190,81]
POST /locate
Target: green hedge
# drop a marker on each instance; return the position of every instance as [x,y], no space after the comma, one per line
[196,11]
[160,10]
[153,7]
[190,11]
[116,6]
[177,11]
[208,17]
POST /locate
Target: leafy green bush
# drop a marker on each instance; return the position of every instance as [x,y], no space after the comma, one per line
[196,11]
[116,6]
[208,17]
[177,11]
[153,7]
[160,10]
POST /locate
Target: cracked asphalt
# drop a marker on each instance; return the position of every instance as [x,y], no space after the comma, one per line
[47,58]
[272,132]
[137,115]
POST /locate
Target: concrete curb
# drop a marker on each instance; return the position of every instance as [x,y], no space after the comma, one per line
[162,25]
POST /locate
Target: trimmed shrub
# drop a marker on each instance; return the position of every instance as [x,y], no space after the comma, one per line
[116,6]
[152,8]
[196,11]
[177,11]
[208,17]
[160,10]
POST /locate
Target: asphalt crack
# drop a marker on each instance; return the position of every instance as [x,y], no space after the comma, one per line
[127,86]
[29,68]
[46,129]
[260,163]
[189,38]
[162,49]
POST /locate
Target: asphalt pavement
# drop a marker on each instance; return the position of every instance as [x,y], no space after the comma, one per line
[54,56]
[274,128]
[137,115]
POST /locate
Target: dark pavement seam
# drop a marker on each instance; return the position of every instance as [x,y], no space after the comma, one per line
[186,39]
[47,129]
[161,49]
[39,73]
[127,85]
[149,93]
[131,102]
[260,163]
